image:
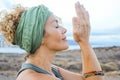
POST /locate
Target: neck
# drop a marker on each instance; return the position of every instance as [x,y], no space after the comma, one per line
[42,58]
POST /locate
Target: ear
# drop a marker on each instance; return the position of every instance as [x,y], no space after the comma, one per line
[43,41]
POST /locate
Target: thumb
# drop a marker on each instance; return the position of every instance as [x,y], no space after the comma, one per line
[74,22]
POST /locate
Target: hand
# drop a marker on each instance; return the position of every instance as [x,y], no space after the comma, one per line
[81,24]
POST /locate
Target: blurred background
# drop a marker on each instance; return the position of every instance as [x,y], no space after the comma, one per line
[104,18]
[105,36]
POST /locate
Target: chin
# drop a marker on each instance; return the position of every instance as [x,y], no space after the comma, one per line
[65,47]
[62,47]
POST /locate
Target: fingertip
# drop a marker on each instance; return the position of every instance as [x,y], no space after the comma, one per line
[78,2]
[76,5]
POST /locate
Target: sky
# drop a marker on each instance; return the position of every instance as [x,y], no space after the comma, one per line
[104,14]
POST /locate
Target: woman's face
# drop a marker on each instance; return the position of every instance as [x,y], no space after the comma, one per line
[54,37]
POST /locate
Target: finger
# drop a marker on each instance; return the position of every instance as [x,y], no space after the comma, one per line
[74,21]
[78,25]
[86,16]
[77,21]
[87,21]
[83,12]
[78,10]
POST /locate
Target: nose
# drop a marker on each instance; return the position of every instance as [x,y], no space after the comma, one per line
[64,30]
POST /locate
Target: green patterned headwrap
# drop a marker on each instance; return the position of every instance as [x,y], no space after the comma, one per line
[30,29]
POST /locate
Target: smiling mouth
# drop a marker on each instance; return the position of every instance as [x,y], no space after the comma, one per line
[64,39]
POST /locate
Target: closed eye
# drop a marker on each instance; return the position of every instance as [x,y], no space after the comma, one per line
[57,27]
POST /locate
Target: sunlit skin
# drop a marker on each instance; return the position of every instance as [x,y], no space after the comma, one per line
[55,40]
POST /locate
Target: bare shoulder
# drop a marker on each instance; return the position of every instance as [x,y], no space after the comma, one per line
[32,75]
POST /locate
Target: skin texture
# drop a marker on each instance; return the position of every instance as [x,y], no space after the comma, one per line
[55,40]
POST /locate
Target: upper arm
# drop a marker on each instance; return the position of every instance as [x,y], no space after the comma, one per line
[68,75]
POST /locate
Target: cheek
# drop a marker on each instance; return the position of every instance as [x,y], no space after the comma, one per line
[54,42]
[53,39]
[53,34]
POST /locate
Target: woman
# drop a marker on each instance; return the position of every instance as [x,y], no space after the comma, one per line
[40,34]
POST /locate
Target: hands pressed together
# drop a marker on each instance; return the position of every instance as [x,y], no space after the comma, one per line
[81,24]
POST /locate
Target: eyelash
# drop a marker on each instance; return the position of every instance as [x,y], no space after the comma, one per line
[57,27]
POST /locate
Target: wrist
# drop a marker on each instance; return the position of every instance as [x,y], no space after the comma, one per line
[93,73]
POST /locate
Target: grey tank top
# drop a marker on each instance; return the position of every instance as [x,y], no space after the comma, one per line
[39,70]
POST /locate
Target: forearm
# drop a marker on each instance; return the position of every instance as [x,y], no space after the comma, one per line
[89,59]
[81,33]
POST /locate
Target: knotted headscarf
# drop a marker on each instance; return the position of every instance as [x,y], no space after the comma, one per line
[30,29]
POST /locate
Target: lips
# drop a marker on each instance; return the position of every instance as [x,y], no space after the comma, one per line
[64,38]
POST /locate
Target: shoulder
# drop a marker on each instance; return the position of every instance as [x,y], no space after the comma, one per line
[32,75]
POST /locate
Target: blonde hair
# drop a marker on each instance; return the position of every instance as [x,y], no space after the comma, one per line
[9,22]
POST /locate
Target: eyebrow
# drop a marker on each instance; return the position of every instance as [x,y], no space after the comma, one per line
[54,21]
